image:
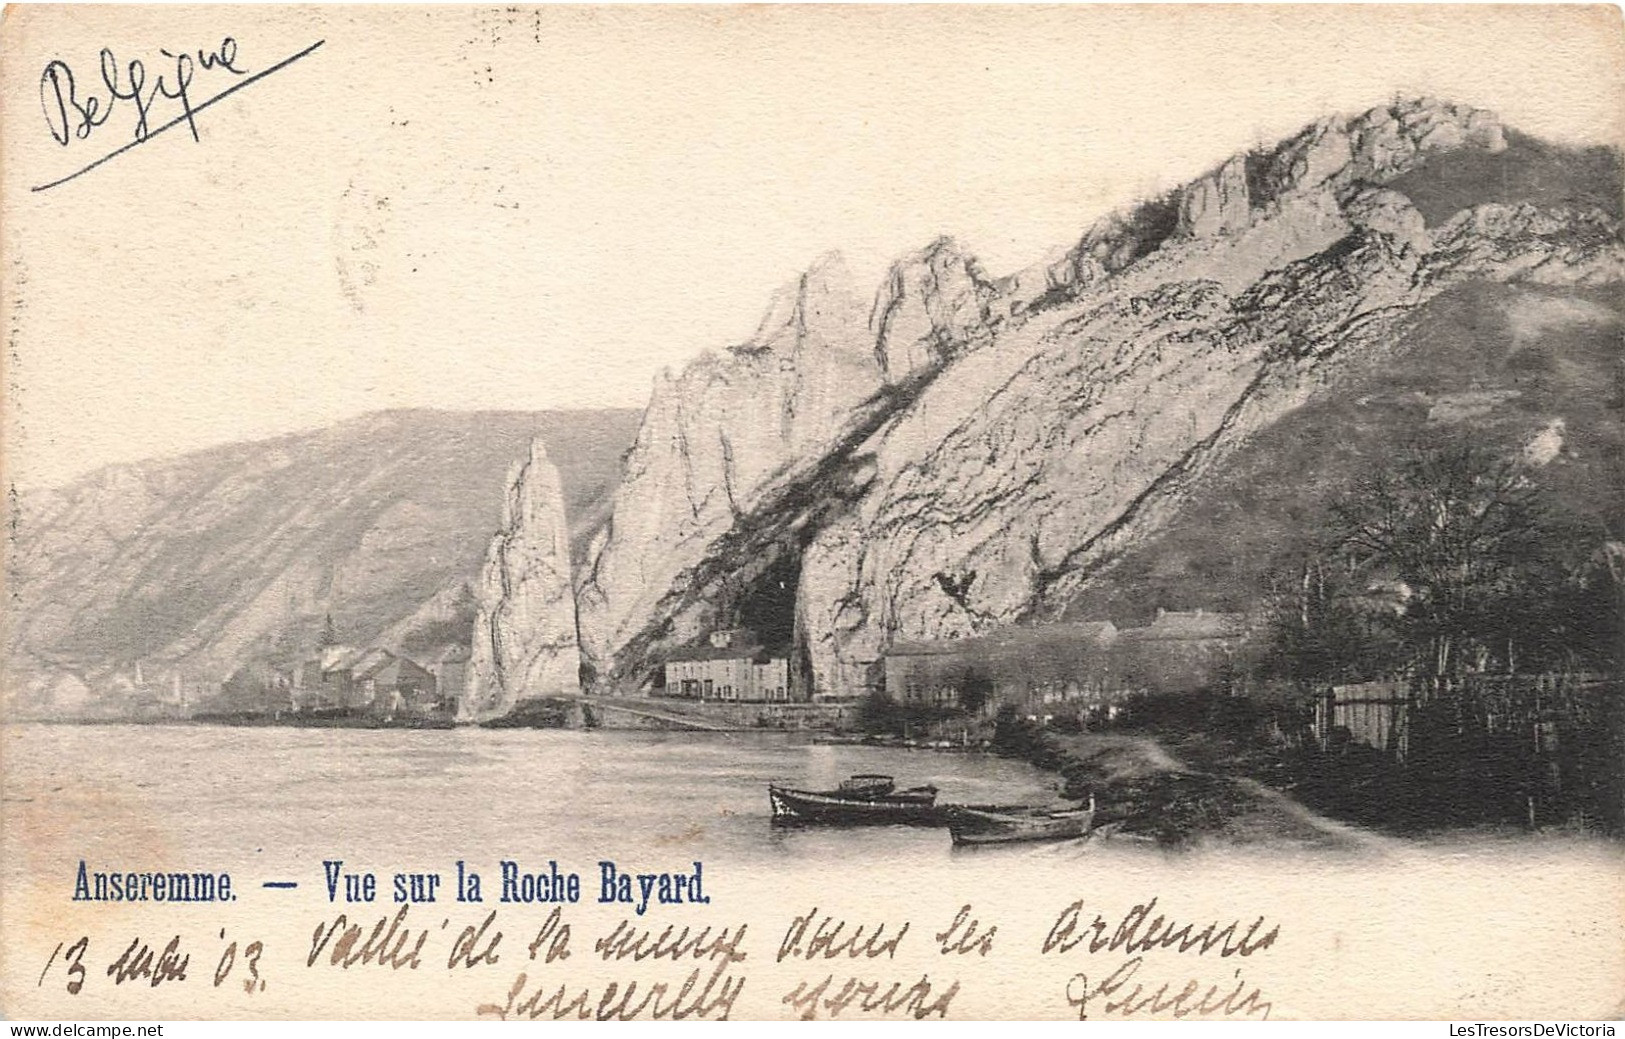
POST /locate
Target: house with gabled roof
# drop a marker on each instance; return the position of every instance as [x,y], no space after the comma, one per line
[731,666]
[346,677]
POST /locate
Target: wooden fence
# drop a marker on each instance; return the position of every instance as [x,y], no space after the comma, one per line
[1382,715]
[1376,714]
[1554,741]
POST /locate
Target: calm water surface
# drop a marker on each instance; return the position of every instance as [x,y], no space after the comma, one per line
[284,799]
[273,803]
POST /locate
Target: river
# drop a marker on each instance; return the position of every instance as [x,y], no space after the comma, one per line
[279,799]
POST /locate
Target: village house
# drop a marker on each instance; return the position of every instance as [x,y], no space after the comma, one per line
[730,668]
[1049,663]
[1083,664]
[322,682]
[1183,650]
[393,684]
[450,669]
[925,671]
[1195,630]
[256,687]
[347,678]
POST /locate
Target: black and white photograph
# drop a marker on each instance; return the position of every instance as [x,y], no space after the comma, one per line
[813,512]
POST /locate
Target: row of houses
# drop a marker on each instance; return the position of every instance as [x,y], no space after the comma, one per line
[377,680]
[351,679]
[1087,661]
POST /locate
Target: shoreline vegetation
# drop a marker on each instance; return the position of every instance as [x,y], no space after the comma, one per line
[1182,771]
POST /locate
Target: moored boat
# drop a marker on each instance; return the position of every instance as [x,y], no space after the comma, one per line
[862,799]
[986,825]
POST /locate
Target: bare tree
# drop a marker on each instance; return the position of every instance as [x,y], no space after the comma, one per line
[1452,537]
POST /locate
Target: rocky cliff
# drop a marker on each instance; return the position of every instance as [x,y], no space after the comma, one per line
[739,427]
[524,642]
[979,451]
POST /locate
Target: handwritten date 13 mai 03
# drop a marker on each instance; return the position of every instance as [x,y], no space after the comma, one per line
[1117,979]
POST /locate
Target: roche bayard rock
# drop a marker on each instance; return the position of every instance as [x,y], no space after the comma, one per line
[179,572]
[525,627]
[1015,436]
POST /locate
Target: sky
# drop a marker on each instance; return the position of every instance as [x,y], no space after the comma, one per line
[542,208]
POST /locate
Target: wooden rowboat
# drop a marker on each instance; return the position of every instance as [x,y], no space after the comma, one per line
[863,799]
[983,825]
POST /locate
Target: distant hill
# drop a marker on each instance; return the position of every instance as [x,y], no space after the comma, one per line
[197,565]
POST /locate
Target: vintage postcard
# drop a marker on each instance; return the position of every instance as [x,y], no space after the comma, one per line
[843,513]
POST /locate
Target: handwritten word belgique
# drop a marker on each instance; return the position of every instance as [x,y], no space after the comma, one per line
[74,111]
[71,114]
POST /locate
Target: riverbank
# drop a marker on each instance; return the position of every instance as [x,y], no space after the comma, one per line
[1188,769]
[1144,791]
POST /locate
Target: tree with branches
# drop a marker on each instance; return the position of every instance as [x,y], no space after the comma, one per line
[1454,534]
[1441,564]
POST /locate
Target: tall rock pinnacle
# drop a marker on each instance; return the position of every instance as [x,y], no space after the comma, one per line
[525,643]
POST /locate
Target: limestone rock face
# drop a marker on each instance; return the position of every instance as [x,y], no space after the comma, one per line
[991,444]
[735,429]
[1390,213]
[933,304]
[1035,285]
[1556,246]
[815,331]
[1120,238]
[1217,203]
[1312,172]
[716,436]
[525,643]
[1315,156]
[1004,514]
[1389,141]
